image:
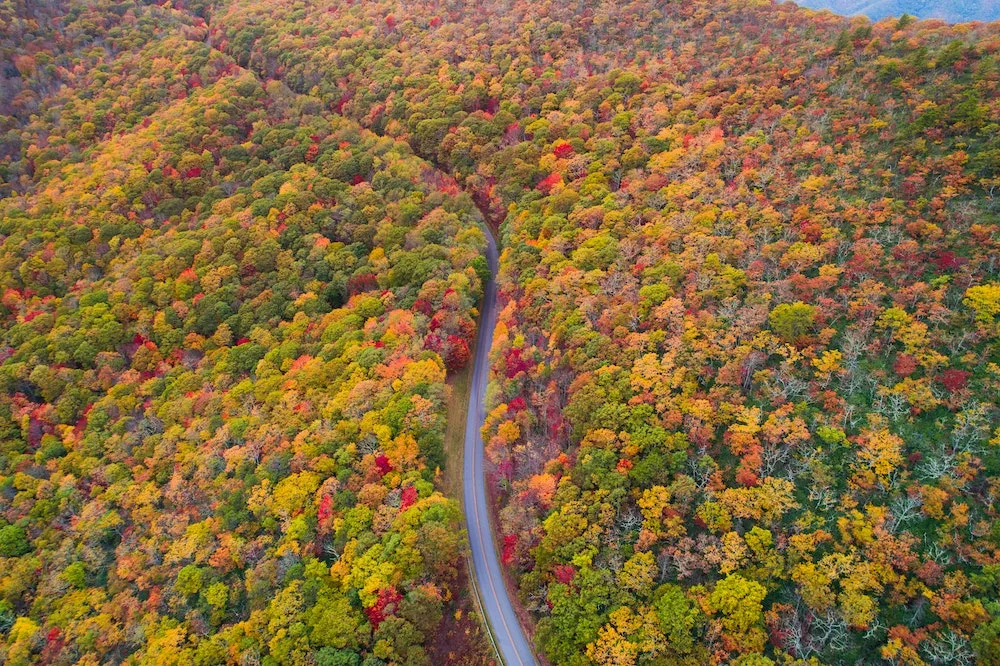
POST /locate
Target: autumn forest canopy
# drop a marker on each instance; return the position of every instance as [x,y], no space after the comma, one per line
[743,403]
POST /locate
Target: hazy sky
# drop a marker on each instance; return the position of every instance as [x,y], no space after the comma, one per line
[950,10]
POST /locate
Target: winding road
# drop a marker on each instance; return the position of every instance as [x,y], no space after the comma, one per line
[508,636]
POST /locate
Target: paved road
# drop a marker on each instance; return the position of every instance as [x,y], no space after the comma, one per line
[508,636]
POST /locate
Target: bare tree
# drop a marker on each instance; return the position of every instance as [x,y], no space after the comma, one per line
[903,510]
[948,648]
[972,426]
[937,552]
[936,465]
[807,633]
[629,519]
[830,630]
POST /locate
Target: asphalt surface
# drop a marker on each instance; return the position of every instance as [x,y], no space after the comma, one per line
[512,643]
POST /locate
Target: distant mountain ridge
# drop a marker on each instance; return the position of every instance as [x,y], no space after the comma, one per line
[950,10]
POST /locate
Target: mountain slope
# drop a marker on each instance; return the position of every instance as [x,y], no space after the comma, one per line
[745,345]
[227,322]
[742,406]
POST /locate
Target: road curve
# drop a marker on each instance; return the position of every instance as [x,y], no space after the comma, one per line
[508,636]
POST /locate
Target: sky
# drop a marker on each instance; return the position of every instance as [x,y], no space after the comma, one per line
[949,10]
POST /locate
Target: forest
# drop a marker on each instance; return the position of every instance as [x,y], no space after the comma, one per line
[227,322]
[743,395]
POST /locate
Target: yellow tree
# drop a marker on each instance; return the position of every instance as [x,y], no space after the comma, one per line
[738,605]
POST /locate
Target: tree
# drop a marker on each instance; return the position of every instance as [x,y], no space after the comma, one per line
[739,604]
[457,355]
[881,452]
[334,623]
[791,321]
[985,301]
[678,617]
[638,573]
[13,541]
[189,580]
[333,657]
[613,647]
[986,643]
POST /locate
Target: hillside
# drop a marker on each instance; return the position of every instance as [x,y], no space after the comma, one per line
[743,402]
[227,322]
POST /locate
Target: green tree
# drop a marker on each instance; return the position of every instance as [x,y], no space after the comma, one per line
[986,643]
[333,657]
[334,623]
[189,580]
[792,320]
[75,575]
[739,604]
[13,541]
[678,618]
